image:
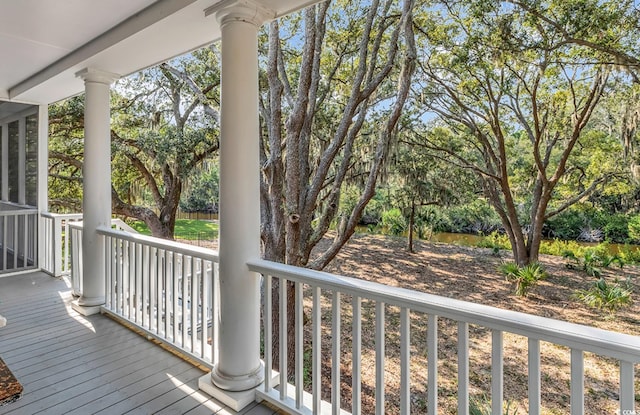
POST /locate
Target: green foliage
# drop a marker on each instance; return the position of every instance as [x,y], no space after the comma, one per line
[475,216]
[633,228]
[616,228]
[604,296]
[559,247]
[435,218]
[394,222]
[495,241]
[201,194]
[591,259]
[525,277]
[630,255]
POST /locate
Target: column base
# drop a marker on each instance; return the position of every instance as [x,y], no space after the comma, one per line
[85,310]
[238,383]
[235,400]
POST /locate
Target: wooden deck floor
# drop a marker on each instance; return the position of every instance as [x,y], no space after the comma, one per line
[70,364]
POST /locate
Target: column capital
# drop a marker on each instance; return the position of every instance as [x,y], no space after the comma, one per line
[240,10]
[97,75]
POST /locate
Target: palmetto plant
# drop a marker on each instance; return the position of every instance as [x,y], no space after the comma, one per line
[604,296]
[525,277]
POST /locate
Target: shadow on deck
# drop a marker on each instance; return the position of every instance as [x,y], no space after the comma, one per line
[70,364]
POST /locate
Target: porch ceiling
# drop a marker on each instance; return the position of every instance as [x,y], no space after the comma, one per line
[44,43]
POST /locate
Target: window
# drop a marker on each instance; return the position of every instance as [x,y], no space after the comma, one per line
[31,161]
[14,162]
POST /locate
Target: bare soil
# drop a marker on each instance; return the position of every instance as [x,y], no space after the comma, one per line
[471,274]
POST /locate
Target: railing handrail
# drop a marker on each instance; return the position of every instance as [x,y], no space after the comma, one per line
[18,212]
[122,225]
[607,343]
[177,247]
[52,215]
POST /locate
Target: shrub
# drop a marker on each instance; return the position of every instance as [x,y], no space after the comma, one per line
[559,248]
[594,258]
[474,217]
[435,218]
[566,225]
[525,277]
[394,222]
[603,296]
[616,228]
[630,255]
[633,228]
[495,241]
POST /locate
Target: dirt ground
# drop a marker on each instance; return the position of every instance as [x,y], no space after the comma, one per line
[469,274]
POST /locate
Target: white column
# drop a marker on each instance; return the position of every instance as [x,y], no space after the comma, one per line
[22,138]
[239,366]
[4,186]
[96,186]
[43,164]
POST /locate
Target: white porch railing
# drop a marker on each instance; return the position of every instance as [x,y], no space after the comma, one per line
[165,289]
[57,237]
[18,241]
[74,243]
[411,304]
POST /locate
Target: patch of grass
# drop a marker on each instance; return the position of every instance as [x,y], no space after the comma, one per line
[189,229]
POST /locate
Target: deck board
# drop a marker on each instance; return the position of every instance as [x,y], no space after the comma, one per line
[70,364]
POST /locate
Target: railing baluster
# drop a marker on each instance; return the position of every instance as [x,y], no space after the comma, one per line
[380,383]
[5,233]
[497,371]
[432,364]
[463,368]
[577,382]
[356,352]
[119,265]
[15,242]
[335,352]
[139,283]
[153,287]
[282,289]
[185,296]
[299,319]
[107,273]
[268,331]
[175,295]
[168,288]
[113,263]
[126,276]
[627,393]
[160,306]
[534,376]
[146,268]
[65,247]
[215,308]
[317,351]
[207,352]
[405,361]
[195,300]
[25,242]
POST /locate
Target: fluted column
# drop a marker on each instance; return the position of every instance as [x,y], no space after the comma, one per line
[96,185]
